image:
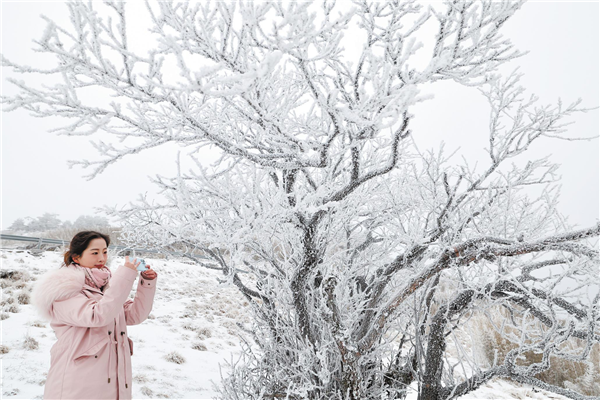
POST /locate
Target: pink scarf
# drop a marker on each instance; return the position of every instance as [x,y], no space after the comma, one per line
[95,277]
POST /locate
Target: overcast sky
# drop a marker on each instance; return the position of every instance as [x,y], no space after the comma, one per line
[562,37]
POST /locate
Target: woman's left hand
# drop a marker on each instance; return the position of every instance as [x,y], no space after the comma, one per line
[149,274]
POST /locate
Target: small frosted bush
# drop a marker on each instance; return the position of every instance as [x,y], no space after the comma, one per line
[30,343]
[140,378]
[580,376]
[199,346]
[13,308]
[190,311]
[189,326]
[204,333]
[4,349]
[23,298]
[175,357]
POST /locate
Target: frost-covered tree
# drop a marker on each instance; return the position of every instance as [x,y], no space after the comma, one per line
[363,260]
[90,222]
[18,225]
[45,222]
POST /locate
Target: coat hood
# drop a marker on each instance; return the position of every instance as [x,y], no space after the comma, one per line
[57,284]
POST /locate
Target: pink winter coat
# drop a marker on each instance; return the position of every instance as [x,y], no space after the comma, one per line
[92,356]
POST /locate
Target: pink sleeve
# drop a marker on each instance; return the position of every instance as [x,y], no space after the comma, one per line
[138,309]
[84,312]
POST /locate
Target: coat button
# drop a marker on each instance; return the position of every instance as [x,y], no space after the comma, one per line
[95,356]
[109,332]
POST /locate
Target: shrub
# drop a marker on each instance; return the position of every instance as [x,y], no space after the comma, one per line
[204,333]
[4,349]
[13,308]
[190,311]
[578,376]
[199,346]
[23,298]
[3,316]
[140,378]
[30,343]
[175,357]
[13,274]
[189,326]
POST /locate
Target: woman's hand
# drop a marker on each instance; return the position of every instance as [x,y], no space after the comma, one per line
[130,264]
[149,274]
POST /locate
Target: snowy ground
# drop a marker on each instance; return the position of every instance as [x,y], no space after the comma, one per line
[193,315]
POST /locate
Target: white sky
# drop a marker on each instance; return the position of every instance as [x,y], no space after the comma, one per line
[562,37]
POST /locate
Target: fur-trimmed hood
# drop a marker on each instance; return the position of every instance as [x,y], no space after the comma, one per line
[57,284]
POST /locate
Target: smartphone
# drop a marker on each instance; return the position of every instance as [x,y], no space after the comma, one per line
[142,266]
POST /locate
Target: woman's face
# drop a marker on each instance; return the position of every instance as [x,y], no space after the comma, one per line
[94,256]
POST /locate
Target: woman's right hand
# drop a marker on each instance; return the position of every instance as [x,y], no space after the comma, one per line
[131,264]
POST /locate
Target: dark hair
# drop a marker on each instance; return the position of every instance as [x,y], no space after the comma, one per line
[80,242]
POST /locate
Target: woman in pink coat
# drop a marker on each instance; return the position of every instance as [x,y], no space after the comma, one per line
[92,356]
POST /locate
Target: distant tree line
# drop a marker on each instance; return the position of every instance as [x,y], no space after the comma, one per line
[50,221]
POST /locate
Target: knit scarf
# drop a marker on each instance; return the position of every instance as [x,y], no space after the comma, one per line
[95,277]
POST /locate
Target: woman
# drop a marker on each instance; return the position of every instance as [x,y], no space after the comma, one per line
[92,356]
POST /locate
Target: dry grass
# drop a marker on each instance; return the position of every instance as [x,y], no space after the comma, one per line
[175,357]
[580,376]
[23,298]
[199,346]
[8,300]
[146,391]
[189,326]
[190,311]
[13,308]
[204,333]
[140,378]
[38,324]
[30,343]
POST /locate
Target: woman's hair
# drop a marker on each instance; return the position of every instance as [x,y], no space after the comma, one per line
[80,242]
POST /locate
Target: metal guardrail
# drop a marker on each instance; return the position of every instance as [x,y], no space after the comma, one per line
[41,241]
